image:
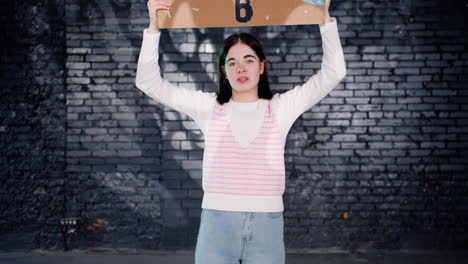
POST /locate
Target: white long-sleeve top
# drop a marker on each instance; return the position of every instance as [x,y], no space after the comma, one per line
[245,118]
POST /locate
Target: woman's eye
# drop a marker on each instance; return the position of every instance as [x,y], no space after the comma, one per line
[250,61]
[231,64]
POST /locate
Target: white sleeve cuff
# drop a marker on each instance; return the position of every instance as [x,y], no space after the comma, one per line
[329,25]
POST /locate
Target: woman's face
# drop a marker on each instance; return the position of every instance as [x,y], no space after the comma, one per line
[243,68]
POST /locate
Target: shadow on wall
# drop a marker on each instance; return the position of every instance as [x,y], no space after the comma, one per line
[145,196]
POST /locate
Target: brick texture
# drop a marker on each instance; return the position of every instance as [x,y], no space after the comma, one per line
[32,124]
[379,163]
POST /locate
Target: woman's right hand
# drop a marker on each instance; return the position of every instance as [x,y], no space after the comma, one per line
[153,7]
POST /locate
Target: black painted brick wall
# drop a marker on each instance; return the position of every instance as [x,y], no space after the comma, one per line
[32,123]
[379,163]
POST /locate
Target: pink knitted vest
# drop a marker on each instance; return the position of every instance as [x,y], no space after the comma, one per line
[229,168]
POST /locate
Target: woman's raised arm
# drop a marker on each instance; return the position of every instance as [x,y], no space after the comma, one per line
[148,76]
[293,103]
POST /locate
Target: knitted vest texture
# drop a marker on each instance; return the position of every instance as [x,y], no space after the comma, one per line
[229,168]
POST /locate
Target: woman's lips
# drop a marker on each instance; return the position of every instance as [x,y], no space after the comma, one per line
[243,79]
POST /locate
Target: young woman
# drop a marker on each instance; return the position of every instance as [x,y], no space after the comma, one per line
[245,128]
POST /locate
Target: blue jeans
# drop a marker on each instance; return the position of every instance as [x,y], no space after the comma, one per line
[227,237]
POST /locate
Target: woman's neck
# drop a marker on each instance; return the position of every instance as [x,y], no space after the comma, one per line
[245,97]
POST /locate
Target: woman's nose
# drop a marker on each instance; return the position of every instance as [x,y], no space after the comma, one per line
[240,68]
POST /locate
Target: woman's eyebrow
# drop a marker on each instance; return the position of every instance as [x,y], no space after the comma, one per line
[246,56]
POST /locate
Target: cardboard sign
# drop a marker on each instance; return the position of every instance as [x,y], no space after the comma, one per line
[241,13]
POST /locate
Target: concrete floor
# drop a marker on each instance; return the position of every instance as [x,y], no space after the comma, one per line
[186,257]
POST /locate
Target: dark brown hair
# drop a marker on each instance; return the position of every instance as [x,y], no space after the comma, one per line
[224,87]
